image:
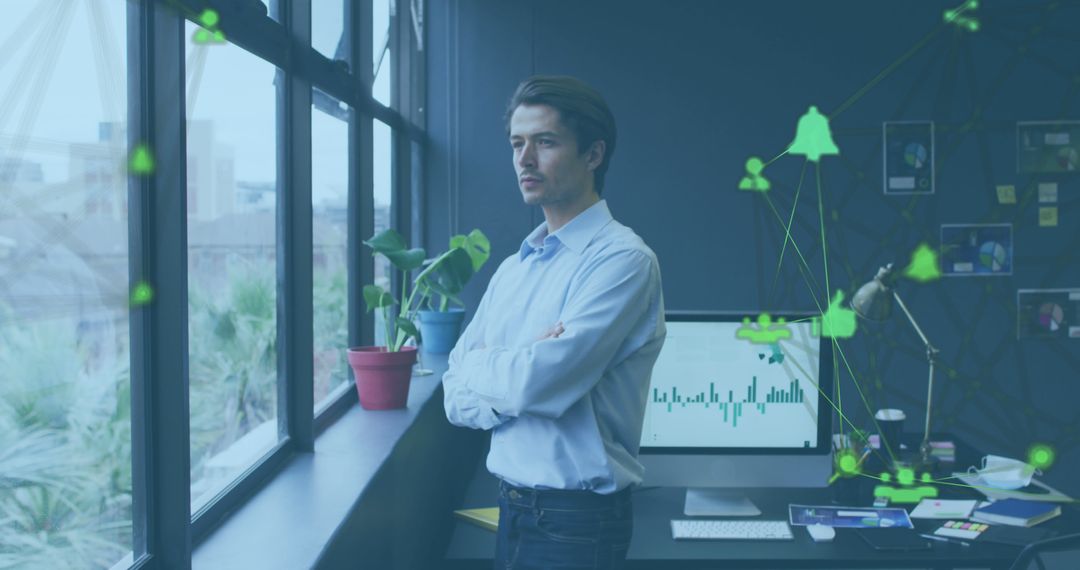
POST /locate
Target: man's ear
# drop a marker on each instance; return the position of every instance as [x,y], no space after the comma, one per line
[595,155]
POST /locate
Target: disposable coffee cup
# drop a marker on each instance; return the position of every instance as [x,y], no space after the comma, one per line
[890,422]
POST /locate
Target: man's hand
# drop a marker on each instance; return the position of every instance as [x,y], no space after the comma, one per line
[553,332]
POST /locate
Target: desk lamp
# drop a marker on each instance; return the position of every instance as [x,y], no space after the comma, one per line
[873,302]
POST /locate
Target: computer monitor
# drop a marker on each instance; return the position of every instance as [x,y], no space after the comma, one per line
[736,401]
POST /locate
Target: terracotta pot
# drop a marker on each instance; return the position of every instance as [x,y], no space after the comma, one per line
[382,378]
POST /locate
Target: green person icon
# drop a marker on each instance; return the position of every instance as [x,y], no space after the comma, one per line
[753,179]
[838,322]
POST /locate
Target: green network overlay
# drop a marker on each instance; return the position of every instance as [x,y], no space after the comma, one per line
[952,39]
[814,141]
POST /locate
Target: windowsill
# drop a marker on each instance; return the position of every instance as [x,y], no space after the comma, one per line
[290,521]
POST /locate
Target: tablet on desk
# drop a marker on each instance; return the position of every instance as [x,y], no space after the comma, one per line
[893,539]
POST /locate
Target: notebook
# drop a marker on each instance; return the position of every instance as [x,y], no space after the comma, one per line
[487,518]
[1016,512]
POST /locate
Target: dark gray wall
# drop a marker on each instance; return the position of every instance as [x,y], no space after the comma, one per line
[699,86]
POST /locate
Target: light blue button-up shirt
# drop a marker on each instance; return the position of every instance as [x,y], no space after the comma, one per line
[566,412]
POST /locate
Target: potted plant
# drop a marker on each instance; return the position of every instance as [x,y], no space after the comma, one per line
[441,283]
[383,373]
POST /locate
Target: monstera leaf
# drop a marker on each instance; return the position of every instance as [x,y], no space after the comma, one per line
[393,246]
[476,244]
[448,274]
[376,297]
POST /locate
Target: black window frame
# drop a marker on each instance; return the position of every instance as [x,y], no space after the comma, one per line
[164,529]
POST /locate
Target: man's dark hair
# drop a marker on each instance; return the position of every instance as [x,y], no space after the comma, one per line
[581,109]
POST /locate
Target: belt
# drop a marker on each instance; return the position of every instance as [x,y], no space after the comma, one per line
[561,498]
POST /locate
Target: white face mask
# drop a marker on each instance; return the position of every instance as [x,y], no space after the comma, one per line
[1004,472]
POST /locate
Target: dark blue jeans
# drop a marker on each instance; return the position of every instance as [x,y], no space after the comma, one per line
[548,530]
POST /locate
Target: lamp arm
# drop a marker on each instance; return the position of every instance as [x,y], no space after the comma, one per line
[929,347]
[924,449]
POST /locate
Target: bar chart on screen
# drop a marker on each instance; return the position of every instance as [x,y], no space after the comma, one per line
[712,392]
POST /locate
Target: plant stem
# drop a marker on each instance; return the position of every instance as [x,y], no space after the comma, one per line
[389,330]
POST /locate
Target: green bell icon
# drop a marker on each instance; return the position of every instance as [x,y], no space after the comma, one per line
[813,138]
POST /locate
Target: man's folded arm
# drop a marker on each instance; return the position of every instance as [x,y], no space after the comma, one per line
[463,407]
[549,376]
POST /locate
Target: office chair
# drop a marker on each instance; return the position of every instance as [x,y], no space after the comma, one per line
[1032,556]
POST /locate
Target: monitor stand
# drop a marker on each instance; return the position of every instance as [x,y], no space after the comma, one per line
[707,502]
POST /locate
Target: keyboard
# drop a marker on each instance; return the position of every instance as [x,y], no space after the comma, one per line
[730,530]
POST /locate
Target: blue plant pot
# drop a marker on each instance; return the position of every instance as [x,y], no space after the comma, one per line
[440,330]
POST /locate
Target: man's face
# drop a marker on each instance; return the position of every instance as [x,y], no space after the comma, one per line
[549,168]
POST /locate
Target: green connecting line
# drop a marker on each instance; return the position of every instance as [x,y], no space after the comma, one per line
[828,288]
[981,487]
[818,388]
[775,158]
[813,293]
[839,411]
[787,230]
[887,71]
[888,448]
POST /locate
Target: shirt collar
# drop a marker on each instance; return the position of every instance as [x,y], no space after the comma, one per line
[575,235]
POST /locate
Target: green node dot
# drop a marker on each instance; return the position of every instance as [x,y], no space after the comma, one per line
[754,165]
[209,18]
[848,464]
[1041,456]
[905,476]
[141,294]
[886,477]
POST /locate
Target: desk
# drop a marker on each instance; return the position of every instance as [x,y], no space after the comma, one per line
[652,546]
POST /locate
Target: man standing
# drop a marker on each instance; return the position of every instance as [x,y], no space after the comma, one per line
[557,360]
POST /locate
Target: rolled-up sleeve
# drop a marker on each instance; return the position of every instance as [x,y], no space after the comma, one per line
[548,377]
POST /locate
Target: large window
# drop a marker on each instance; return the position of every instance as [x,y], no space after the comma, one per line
[382,154]
[329,205]
[98,207]
[327,27]
[65,390]
[232,282]
[382,48]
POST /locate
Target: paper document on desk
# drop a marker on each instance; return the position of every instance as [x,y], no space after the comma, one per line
[848,517]
[943,509]
[1036,491]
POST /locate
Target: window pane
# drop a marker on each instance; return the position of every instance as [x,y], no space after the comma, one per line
[380,49]
[329,206]
[382,155]
[65,390]
[327,25]
[232,186]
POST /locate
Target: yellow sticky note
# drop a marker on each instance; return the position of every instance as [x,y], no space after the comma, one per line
[1048,216]
[1006,194]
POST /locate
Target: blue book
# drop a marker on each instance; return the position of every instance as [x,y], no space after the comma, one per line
[1016,512]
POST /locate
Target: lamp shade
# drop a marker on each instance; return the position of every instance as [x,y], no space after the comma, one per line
[873,301]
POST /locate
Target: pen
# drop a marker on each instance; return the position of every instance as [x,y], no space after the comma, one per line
[943,539]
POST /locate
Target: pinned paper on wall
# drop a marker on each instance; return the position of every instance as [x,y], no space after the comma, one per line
[1006,194]
[1048,216]
[976,249]
[1048,192]
[1048,313]
[908,157]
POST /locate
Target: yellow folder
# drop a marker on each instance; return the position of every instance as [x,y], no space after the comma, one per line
[487,518]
